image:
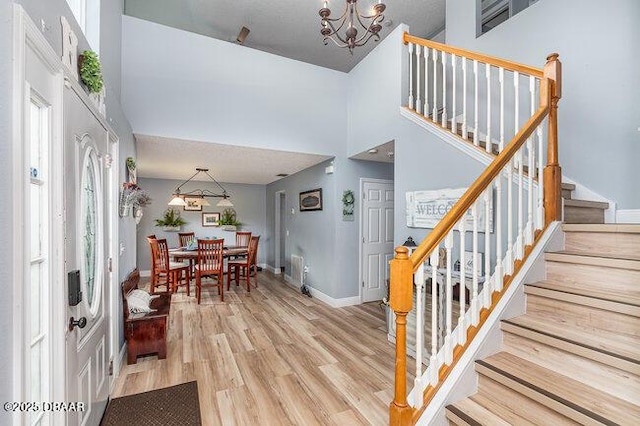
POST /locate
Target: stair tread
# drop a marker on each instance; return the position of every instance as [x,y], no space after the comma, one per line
[621,346]
[580,397]
[568,186]
[474,413]
[602,228]
[586,204]
[600,259]
[610,295]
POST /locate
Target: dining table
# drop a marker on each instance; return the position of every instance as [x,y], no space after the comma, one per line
[181,253]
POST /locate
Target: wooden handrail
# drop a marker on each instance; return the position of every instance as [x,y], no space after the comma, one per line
[475,190]
[508,65]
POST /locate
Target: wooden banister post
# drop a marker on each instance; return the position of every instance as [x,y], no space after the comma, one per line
[553,172]
[401,300]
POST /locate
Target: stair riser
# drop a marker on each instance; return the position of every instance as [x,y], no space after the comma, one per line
[583,215]
[617,244]
[575,361]
[593,302]
[566,194]
[513,403]
[589,276]
[584,317]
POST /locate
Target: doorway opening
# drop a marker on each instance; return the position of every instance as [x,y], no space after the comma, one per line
[280,233]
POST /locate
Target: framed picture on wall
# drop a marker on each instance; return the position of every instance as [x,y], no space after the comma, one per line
[210,219]
[311,200]
[193,204]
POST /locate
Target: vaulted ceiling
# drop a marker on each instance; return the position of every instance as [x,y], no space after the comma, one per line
[289,28]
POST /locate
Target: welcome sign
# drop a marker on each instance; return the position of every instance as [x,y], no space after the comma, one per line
[426,208]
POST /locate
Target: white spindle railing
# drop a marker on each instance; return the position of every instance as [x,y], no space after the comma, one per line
[496,241]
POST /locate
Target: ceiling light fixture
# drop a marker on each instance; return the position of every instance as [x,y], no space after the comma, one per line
[199,196]
[353,20]
[373,151]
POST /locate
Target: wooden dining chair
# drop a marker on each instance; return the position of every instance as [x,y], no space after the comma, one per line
[174,273]
[245,265]
[243,238]
[210,264]
[184,238]
[153,267]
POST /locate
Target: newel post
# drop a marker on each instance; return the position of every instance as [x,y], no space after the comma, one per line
[552,172]
[400,300]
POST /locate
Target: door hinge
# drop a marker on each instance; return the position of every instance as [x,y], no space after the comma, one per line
[362,283]
[362,240]
[110,263]
[111,368]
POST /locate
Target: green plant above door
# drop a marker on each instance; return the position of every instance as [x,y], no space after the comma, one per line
[91,71]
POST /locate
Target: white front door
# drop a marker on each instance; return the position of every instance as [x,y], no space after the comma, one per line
[377,237]
[87,161]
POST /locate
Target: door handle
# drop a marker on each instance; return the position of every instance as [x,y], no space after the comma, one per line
[80,322]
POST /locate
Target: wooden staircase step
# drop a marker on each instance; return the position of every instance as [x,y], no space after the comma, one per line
[617,228]
[469,413]
[622,352]
[568,186]
[621,302]
[592,277]
[567,189]
[582,211]
[595,259]
[586,204]
[571,398]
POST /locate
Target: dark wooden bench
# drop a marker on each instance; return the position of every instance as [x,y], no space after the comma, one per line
[145,333]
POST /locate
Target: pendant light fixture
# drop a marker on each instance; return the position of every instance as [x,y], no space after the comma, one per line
[200,196]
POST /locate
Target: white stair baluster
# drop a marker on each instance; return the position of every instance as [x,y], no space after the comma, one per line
[501,79]
[435,85]
[448,348]
[520,238]
[418,62]
[531,168]
[411,105]
[426,110]
[444,90]
[487,198]
[434,316]
[498,273]
[476,138]
[489,144]
[540,177]
[462,287]
[508,259]
[418,280]
[516,93]
[464,99]
[454,110]
[475,302]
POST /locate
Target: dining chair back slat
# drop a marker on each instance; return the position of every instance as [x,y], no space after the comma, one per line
[243,238]
[184,238]
[210,264]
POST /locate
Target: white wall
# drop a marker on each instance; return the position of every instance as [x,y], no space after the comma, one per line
[236,95]
[599,113]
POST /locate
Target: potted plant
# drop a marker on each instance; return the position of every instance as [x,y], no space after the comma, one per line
[90,71]
[171,220]
[228,221]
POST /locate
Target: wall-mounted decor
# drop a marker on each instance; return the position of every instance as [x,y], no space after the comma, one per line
[171,220]
[132,196]
[426,208]
[210,219]
[311,200]
[193,204]
[348,201]
[228,220]
[131,170]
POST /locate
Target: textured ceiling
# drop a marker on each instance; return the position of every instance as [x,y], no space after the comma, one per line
[382,153]
[166,158]
[289,28]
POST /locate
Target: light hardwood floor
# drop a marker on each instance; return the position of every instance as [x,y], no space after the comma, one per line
[273,356]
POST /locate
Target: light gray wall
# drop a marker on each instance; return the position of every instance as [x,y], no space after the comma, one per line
[289,105]
[6,192]
[599,113]
[249,204]
[328,244]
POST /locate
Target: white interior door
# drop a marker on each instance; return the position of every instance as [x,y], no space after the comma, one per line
[377,237]
[87,162]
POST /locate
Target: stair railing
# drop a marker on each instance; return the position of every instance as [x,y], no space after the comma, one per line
[444,328]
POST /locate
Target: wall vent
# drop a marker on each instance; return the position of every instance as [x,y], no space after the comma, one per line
[297,269]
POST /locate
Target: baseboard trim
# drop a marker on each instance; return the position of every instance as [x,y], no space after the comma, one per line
[270,269]
[331,301]
[628,216]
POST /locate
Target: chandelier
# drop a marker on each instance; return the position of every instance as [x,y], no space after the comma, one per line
[353,21]
[199,196]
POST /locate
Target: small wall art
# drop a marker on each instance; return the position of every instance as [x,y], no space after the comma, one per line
[210,219]
[311,200]
[193,204]
[348,202]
